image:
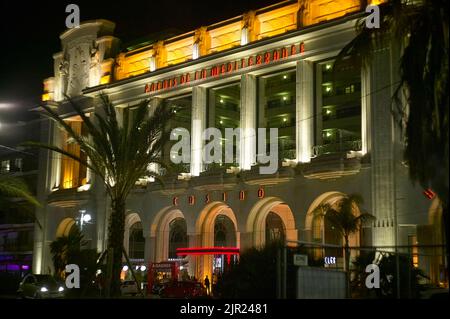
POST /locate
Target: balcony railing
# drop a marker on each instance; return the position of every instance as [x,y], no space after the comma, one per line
[341,147]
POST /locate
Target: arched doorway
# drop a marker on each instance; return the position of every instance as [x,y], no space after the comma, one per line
[270,220]
[216,227]
[320,231]
[168,231]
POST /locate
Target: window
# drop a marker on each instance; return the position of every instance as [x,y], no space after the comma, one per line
[73,174]
[224,232]
[18,164]
[224,111]
[277,105]
[338,107]
[6,167]
[137,242]
[274,228]
[177,236]
[182,109]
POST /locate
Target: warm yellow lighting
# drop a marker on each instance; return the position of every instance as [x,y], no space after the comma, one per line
[285,120]
[328,112]
[328,67]
[221,101]
[105,79]
[285,77]
[284,98]
[328,89]
[46,97]
[221,122]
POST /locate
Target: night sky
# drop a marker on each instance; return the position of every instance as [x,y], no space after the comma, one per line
[30,31]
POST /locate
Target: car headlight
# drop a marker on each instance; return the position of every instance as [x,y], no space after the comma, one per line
[61,289]
[44,289]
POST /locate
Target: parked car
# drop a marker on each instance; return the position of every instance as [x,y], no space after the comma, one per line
[184,289]
[40,286]
[128,287]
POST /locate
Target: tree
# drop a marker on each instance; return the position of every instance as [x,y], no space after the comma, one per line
[408,281]
[423,29]
[63,249]
[119,152]
[11,187]
[342,216]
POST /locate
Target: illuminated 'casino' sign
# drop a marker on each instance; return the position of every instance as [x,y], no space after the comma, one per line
[226,68]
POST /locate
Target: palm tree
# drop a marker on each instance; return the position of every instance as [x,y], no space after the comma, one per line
[12,187]
[422,27]
[63,248]
[342,216]
[119,152]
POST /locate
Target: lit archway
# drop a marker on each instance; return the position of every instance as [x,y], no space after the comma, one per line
[130,219]
[258,221]
[160,230]
[318,230]
[65,227]
[435,237]
[215,218]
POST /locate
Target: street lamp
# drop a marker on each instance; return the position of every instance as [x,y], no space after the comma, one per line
[85,218]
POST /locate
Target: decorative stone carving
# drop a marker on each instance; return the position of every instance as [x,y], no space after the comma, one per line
[95,65]
[63,72]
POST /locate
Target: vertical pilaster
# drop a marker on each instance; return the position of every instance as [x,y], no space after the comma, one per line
[199,102]
[304,110]
[382,147]
[248,121]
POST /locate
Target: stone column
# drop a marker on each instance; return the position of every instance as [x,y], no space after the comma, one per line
[199,102]
[46,179]
[248,122]
[304,110]
[382,146]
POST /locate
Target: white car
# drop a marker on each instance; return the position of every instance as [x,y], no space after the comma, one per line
[129,287]
[40,286]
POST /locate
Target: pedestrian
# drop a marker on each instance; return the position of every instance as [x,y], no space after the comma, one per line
[207,285]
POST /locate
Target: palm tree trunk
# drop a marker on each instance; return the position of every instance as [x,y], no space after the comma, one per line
[347,265]
[115,244]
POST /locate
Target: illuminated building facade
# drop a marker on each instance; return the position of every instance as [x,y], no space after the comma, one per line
[273,67]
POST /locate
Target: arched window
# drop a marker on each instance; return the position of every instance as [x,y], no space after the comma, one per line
[177,236]
[136,242]
[224,232]
[275,230]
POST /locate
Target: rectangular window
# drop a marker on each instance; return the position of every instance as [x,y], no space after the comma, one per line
[18,164]
[73,174]
[224,111]
[338,104]
[277,100]
[182,108]
[6,166]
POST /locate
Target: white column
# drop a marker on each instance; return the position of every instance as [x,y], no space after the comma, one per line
[304,110]
[382,148]
[199,102]
[248,122]
[365,110]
